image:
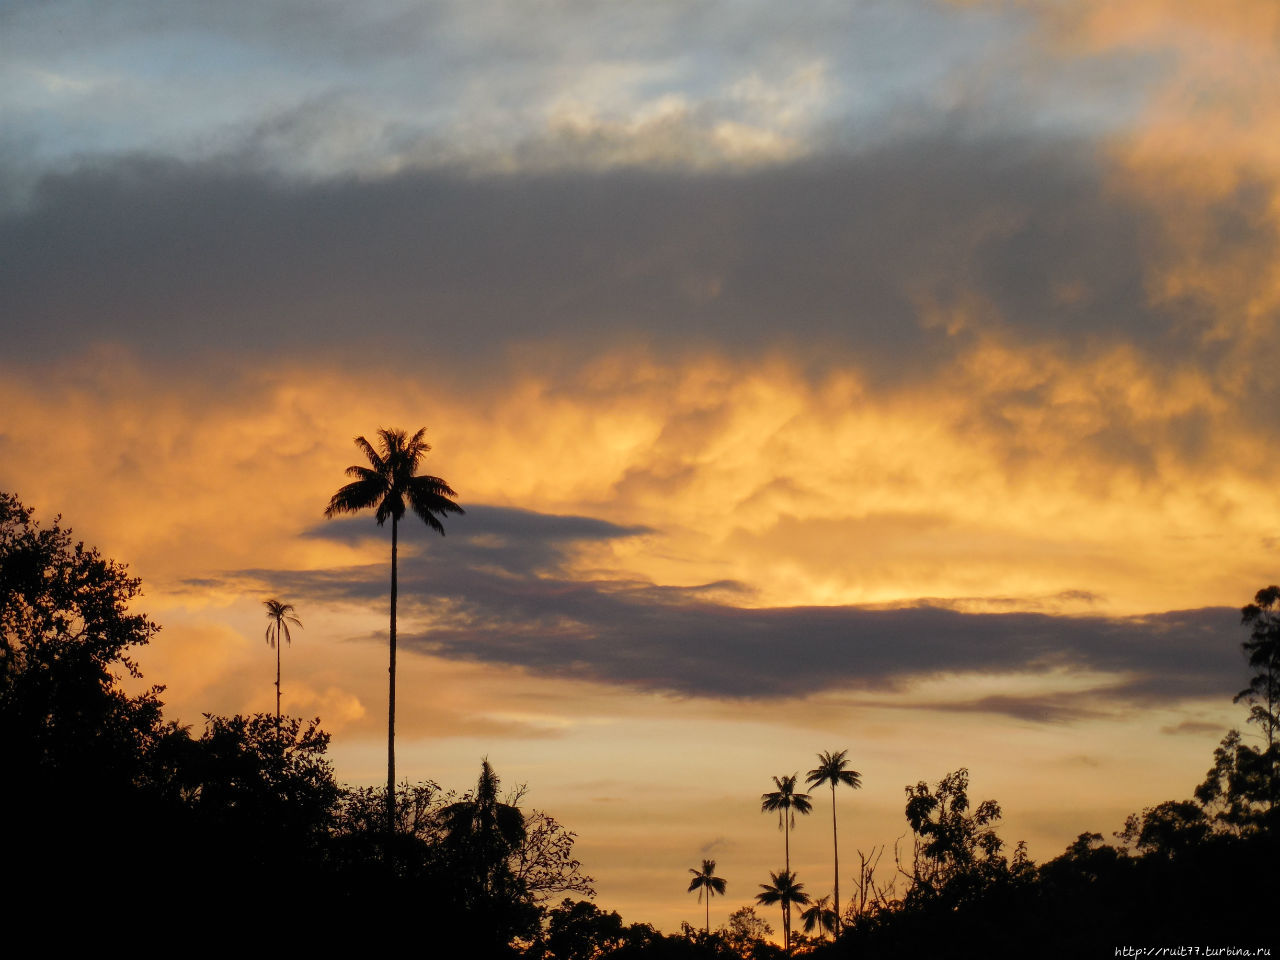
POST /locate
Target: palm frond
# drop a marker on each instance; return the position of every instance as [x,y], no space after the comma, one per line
[429,498]
[354,497]
[374,457]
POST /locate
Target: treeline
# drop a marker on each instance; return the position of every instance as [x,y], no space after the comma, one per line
[111,811]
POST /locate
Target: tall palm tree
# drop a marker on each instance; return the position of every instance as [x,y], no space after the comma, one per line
[280,615]
[705,879]
[821,916]
[389,486]
[783,888]
[786,803]
[832,768]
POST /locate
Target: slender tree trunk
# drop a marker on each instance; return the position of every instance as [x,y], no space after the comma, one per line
[835,847]
[277,679]
[786,904]
[391,707]
[708,928]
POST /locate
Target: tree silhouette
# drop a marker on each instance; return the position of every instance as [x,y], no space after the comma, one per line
[820,916]
[786,803]
[281,615]
[705,879]
[832,769]
[783,888]
[1263,692]
[389,486]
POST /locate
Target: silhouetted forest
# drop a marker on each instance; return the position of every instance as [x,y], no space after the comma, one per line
[115,813]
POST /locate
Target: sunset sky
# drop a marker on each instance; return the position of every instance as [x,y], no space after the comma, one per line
[899,377]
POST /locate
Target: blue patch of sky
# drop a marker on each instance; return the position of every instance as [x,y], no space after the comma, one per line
[187,86]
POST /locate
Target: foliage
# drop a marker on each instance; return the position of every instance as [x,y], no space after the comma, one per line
[955,852]
[261,787]
[1263,650]
[65,631]
[474,859]
[746,935]
[68,731]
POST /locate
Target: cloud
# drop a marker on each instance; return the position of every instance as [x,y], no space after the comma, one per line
[512,602]
[892,259]
[516,542]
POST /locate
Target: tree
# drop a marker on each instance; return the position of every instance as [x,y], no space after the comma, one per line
[705,880]
[390,486]
[746,933]
[579,930]
[832,768]
[1263,692]
[819,916]
[483,833]
[281,615]
[786,803]
[67,728]
[783,888]
[261,790]
[956,852]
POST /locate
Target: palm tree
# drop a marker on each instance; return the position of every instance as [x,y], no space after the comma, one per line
[786,890]
[787,803]
[388,485]
[821,916]
[706,880]
[280,615]
[832,769]
[481,835]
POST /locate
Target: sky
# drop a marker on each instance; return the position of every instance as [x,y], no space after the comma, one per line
[895,377]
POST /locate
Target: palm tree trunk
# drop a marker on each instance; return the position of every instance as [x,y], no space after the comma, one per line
[277,679]
[835,847]
[391,706]
[786,904]
[708,927]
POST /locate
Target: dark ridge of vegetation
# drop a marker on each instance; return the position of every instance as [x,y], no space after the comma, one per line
[115,815]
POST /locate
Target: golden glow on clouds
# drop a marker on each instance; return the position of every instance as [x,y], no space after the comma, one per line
[1016,473]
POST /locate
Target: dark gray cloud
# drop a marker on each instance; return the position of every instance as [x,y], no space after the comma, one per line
[494,538]
[828,255]
[511,602]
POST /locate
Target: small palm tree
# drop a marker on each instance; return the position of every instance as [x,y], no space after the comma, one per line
[389,486]
[783,888]
[281,615]
[705,879]
[832,768]
[819,916]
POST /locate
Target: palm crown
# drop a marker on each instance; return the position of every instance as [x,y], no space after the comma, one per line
[785,800]
[280,615]
[832,769]
[389,482]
